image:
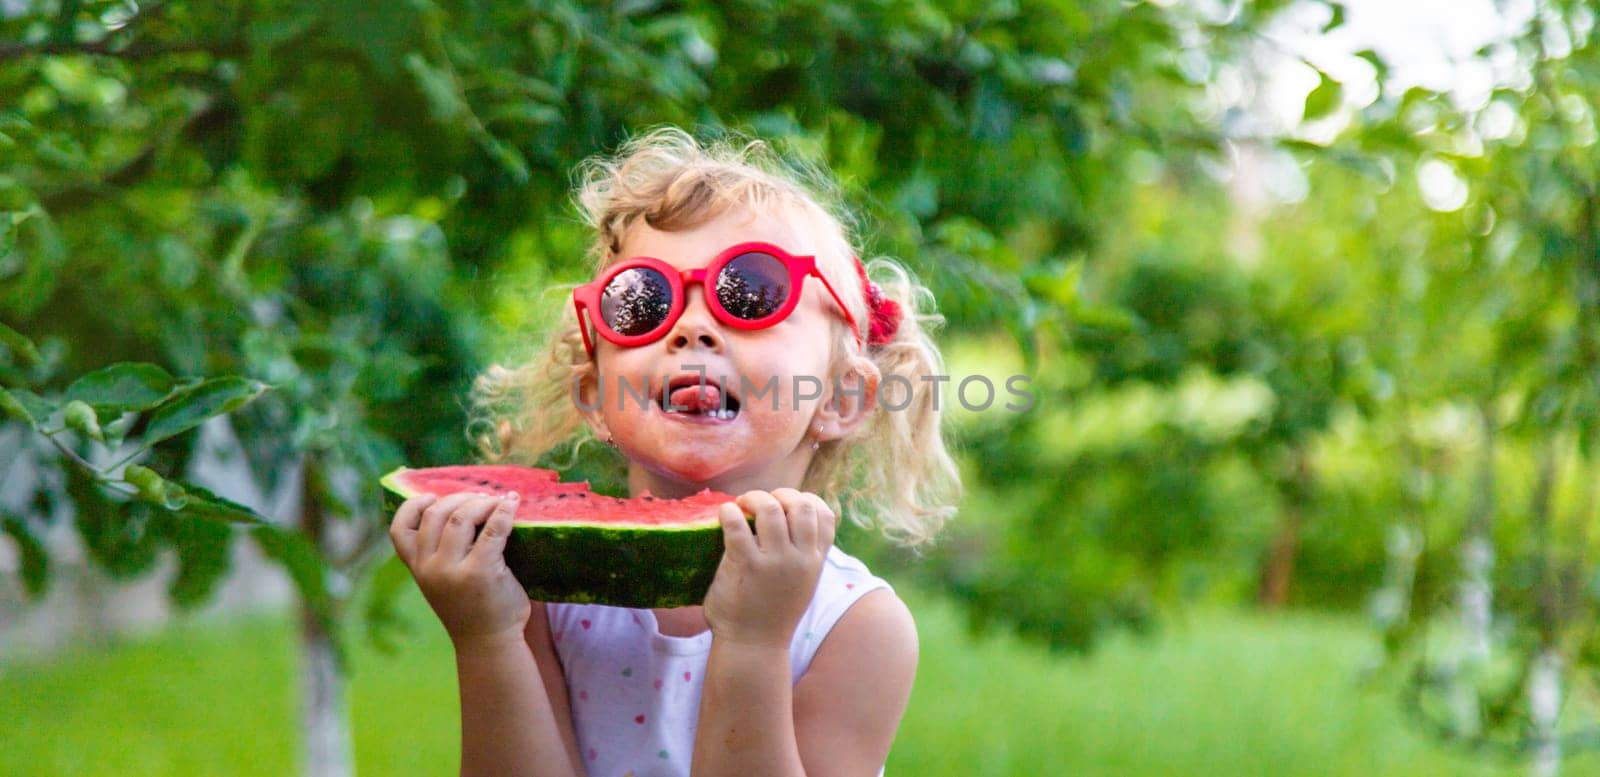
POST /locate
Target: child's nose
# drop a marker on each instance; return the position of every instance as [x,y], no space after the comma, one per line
[696,328]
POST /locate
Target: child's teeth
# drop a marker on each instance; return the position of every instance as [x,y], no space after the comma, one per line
[719,414]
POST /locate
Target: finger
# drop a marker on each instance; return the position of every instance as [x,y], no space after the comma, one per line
[827,524]
[737,538]
[403,529]
[771,533]
[433,521]
[491,542]
[456,537]
[802,516]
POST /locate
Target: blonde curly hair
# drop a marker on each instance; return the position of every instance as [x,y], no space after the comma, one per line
[893,474]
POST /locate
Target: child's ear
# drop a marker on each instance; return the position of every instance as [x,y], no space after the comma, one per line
[852,397]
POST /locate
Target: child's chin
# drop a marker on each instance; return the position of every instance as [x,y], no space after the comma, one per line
[691,465]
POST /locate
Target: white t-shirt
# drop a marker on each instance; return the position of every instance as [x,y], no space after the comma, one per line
[635,692]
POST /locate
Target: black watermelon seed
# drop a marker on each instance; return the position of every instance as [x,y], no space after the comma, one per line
[561,496]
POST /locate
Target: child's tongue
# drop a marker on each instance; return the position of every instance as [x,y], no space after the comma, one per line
[696,398]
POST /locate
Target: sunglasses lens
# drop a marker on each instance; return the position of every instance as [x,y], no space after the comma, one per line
[753,286]
[636,301]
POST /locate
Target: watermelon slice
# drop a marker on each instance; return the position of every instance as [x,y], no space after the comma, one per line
[569,544]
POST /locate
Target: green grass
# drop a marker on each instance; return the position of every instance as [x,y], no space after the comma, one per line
[1224,694]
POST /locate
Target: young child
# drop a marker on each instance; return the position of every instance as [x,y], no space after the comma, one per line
[775,370]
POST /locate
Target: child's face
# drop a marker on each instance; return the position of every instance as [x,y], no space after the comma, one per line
[765,444]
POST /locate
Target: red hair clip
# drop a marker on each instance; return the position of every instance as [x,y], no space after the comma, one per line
[884,313]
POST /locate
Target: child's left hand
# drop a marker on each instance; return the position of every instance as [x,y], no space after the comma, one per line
[766,579]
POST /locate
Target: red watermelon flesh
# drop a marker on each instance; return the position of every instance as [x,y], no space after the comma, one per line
[532,483]
[545,499]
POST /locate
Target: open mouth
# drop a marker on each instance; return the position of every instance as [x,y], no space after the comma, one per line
[695,396]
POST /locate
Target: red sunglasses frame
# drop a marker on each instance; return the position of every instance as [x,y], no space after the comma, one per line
[586,298]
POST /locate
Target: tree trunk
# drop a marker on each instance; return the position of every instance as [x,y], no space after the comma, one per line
[324,718]
[1295,490]
[1474,596]
[1544,678]
[324,722]
[1544,709]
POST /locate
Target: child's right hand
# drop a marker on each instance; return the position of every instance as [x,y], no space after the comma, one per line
[466,582]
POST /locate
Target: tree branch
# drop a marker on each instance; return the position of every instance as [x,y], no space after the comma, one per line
[70,454]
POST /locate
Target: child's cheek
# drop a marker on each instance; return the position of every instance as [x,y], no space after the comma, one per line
[773,425]
[781,414]
[623,423]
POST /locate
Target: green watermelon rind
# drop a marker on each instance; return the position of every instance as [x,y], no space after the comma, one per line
[620,565]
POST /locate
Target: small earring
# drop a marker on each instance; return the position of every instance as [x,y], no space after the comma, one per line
[814,442]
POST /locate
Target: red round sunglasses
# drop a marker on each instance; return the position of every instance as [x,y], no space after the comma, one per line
[751,286]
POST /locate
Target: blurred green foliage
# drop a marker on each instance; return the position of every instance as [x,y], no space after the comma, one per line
[1386,388]
[329,199]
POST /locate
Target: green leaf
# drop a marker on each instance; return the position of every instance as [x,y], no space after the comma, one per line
[524,113]
[117,536]
[384,623]
[124,386]
[439,87]
[203,556]
[1295,144]
[10,223]
[10,407]
[1057,283]
[1376,62]
[207,504]
[510,160]
[35,562]
[191,408]
[37,408]
[1324,99]
[22,349]
[1337,20]
[1107,317]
